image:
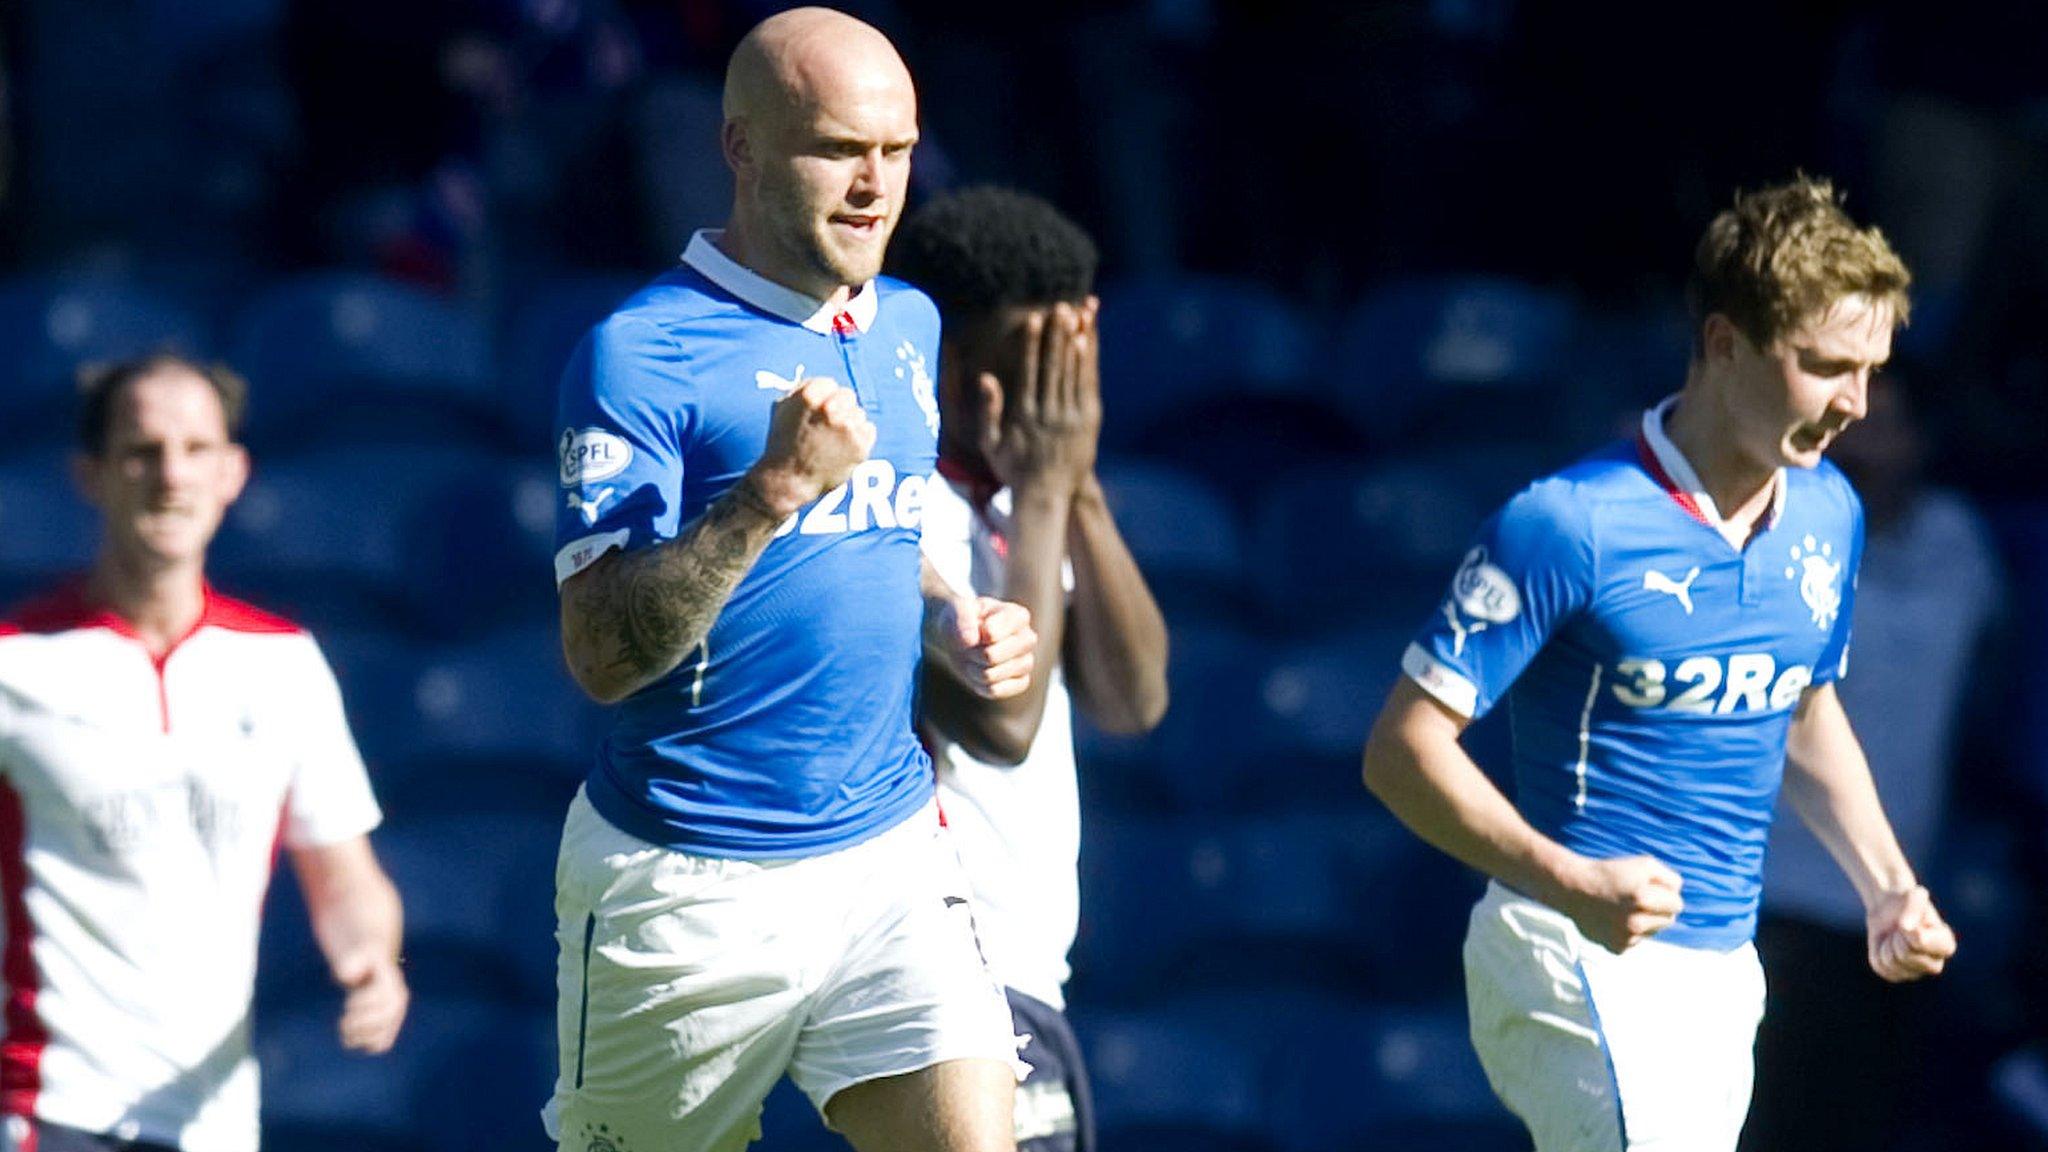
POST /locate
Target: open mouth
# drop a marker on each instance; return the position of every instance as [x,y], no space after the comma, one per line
[1813,437]
[859,224]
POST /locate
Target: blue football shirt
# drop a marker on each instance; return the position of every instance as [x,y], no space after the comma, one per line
[1650,667]
[788,732]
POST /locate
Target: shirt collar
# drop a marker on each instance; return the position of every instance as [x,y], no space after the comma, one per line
[704,255]
[1680,480]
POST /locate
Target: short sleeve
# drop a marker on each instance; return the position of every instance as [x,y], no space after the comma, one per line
[1834,657]
[947,534]
[330,797]
[1529,570]
[620,420]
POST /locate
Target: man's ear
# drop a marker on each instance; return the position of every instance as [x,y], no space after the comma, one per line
[1720,338]
[85,477]
[733,141]
[237,465]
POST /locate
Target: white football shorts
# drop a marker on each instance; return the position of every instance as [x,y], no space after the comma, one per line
[687,985]
[1649,1051]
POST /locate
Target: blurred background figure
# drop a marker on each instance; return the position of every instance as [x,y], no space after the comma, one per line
[160,744]
[1842,1056]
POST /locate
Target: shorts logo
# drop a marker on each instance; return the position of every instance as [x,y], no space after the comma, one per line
[1819,576]
[591,454]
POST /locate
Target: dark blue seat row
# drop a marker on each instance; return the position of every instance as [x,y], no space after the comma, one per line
[335,354]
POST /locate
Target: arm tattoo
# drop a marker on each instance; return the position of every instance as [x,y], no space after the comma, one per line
[644,611]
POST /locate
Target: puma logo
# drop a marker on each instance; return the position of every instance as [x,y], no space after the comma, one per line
[1655,581]
[591,504]
[770,382]
[1459,630]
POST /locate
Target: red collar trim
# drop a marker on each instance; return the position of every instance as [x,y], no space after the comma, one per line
[71,608]
[1656,470]
[980,487]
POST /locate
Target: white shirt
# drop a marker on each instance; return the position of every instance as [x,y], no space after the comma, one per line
[1018,829]
[1928,587]
[142,803]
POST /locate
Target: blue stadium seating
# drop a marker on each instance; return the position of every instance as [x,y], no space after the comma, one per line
[1321,695]
[466,1073]
[479,899]
[1198,758]
[1183,533]
[1330,899]
[544,329]
[1164,1071]
[325,535]
[1372,1078]
[46,528]
[1339,540]
[1490,341]
[482,557]
[1170,343]
[488,724]
[52,325]
[337,353]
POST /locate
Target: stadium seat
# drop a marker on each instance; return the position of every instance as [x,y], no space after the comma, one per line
[1182,532]
[1203,750]
[52,325]
[482,558]
[544,329]
[1164,1072]
[478,890]
[1320,695]
[330,527]
[1168,343]
[1491,342]
[479,899]
[465,1073]
[46,528]
[1370,1078]
[490,725]
[333,354]
[1314,899]
[1338,541]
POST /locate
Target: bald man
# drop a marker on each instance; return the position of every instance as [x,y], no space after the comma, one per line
[754,878]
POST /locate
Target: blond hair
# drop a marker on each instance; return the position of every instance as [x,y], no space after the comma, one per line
[1783,255]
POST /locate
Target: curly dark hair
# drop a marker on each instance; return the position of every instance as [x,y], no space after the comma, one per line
[979,249]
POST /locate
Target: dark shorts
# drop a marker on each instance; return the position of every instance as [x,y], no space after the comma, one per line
[57,1138]
[1055,1110]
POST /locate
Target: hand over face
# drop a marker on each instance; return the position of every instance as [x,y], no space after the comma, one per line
[1042,427]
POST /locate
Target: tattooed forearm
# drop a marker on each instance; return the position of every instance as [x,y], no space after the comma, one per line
[630,618]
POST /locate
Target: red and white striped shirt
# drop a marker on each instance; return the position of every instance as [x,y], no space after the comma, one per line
[143,801]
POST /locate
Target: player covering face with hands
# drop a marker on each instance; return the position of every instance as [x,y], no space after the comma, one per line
[1019,513]
[1666,620]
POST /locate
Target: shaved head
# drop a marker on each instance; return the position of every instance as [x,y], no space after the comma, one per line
[820,118]
[792,58]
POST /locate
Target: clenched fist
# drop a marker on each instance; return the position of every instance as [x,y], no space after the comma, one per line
[1620,903]
[988,643]
[815,437]
[1908,938]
